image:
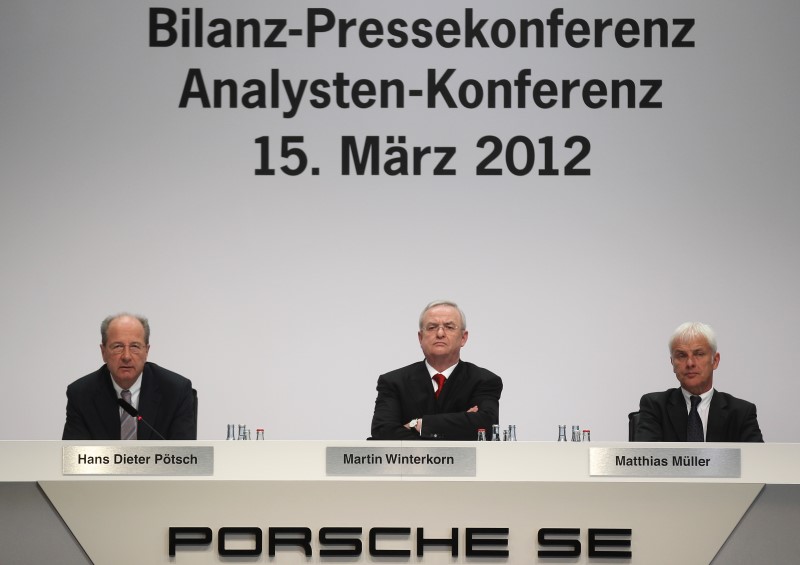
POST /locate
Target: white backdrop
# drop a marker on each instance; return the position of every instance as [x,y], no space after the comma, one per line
[283,298]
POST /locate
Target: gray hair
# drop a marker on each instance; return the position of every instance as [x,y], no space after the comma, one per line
[693,330]
[450,303]
[107,322]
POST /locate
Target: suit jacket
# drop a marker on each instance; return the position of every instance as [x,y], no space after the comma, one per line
[663,417]
[407,393]
[165,402]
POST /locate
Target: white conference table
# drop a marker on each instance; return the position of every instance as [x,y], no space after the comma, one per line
[500,502]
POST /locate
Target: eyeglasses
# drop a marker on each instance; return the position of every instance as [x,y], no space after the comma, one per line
[119,348]
[434,328]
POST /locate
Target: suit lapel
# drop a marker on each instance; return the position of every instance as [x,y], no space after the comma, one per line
[717,418]
[105,403]
[678,416]
[423,390]
[149,402]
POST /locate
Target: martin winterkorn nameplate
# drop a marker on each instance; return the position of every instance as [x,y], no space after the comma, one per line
[411,461]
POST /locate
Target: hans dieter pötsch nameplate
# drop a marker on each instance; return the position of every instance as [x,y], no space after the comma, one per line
[665,462]
[137,460]
[400,461]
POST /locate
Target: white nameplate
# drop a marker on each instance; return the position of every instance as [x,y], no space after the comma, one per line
[410,461]
[665,462]
[137,460]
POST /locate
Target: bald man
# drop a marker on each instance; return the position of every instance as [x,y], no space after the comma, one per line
[164,399]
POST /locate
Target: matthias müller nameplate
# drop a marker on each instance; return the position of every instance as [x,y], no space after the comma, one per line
[137,460]
[400,461]
[665,462]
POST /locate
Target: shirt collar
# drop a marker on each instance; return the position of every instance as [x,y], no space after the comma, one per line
[705,398]
[137,386]
[447,372]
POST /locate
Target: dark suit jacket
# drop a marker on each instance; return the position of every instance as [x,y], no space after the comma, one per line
[407,393]
[165,402]
[663,417]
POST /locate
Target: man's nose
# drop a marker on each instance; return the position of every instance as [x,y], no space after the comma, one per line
[690,360]
[439,331]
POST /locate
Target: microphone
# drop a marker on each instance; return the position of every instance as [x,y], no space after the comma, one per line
[135,413]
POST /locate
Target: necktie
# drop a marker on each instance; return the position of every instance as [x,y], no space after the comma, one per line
[439,378]
[694,429]
[127,423]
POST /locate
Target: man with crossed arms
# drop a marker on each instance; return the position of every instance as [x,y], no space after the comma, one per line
[440,397]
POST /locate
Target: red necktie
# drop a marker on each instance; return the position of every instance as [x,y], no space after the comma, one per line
[439,378]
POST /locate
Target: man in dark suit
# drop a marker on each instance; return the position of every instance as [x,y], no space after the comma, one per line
[441,397]
[695,411]
[163,399]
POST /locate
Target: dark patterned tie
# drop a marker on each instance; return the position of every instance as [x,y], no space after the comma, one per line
[439,378]
[127,423]
[694,429]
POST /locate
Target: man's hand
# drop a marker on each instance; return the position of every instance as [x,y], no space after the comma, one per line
[415,424]
[418,424]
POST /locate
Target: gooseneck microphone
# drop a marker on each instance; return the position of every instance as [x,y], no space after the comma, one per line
[128,407]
